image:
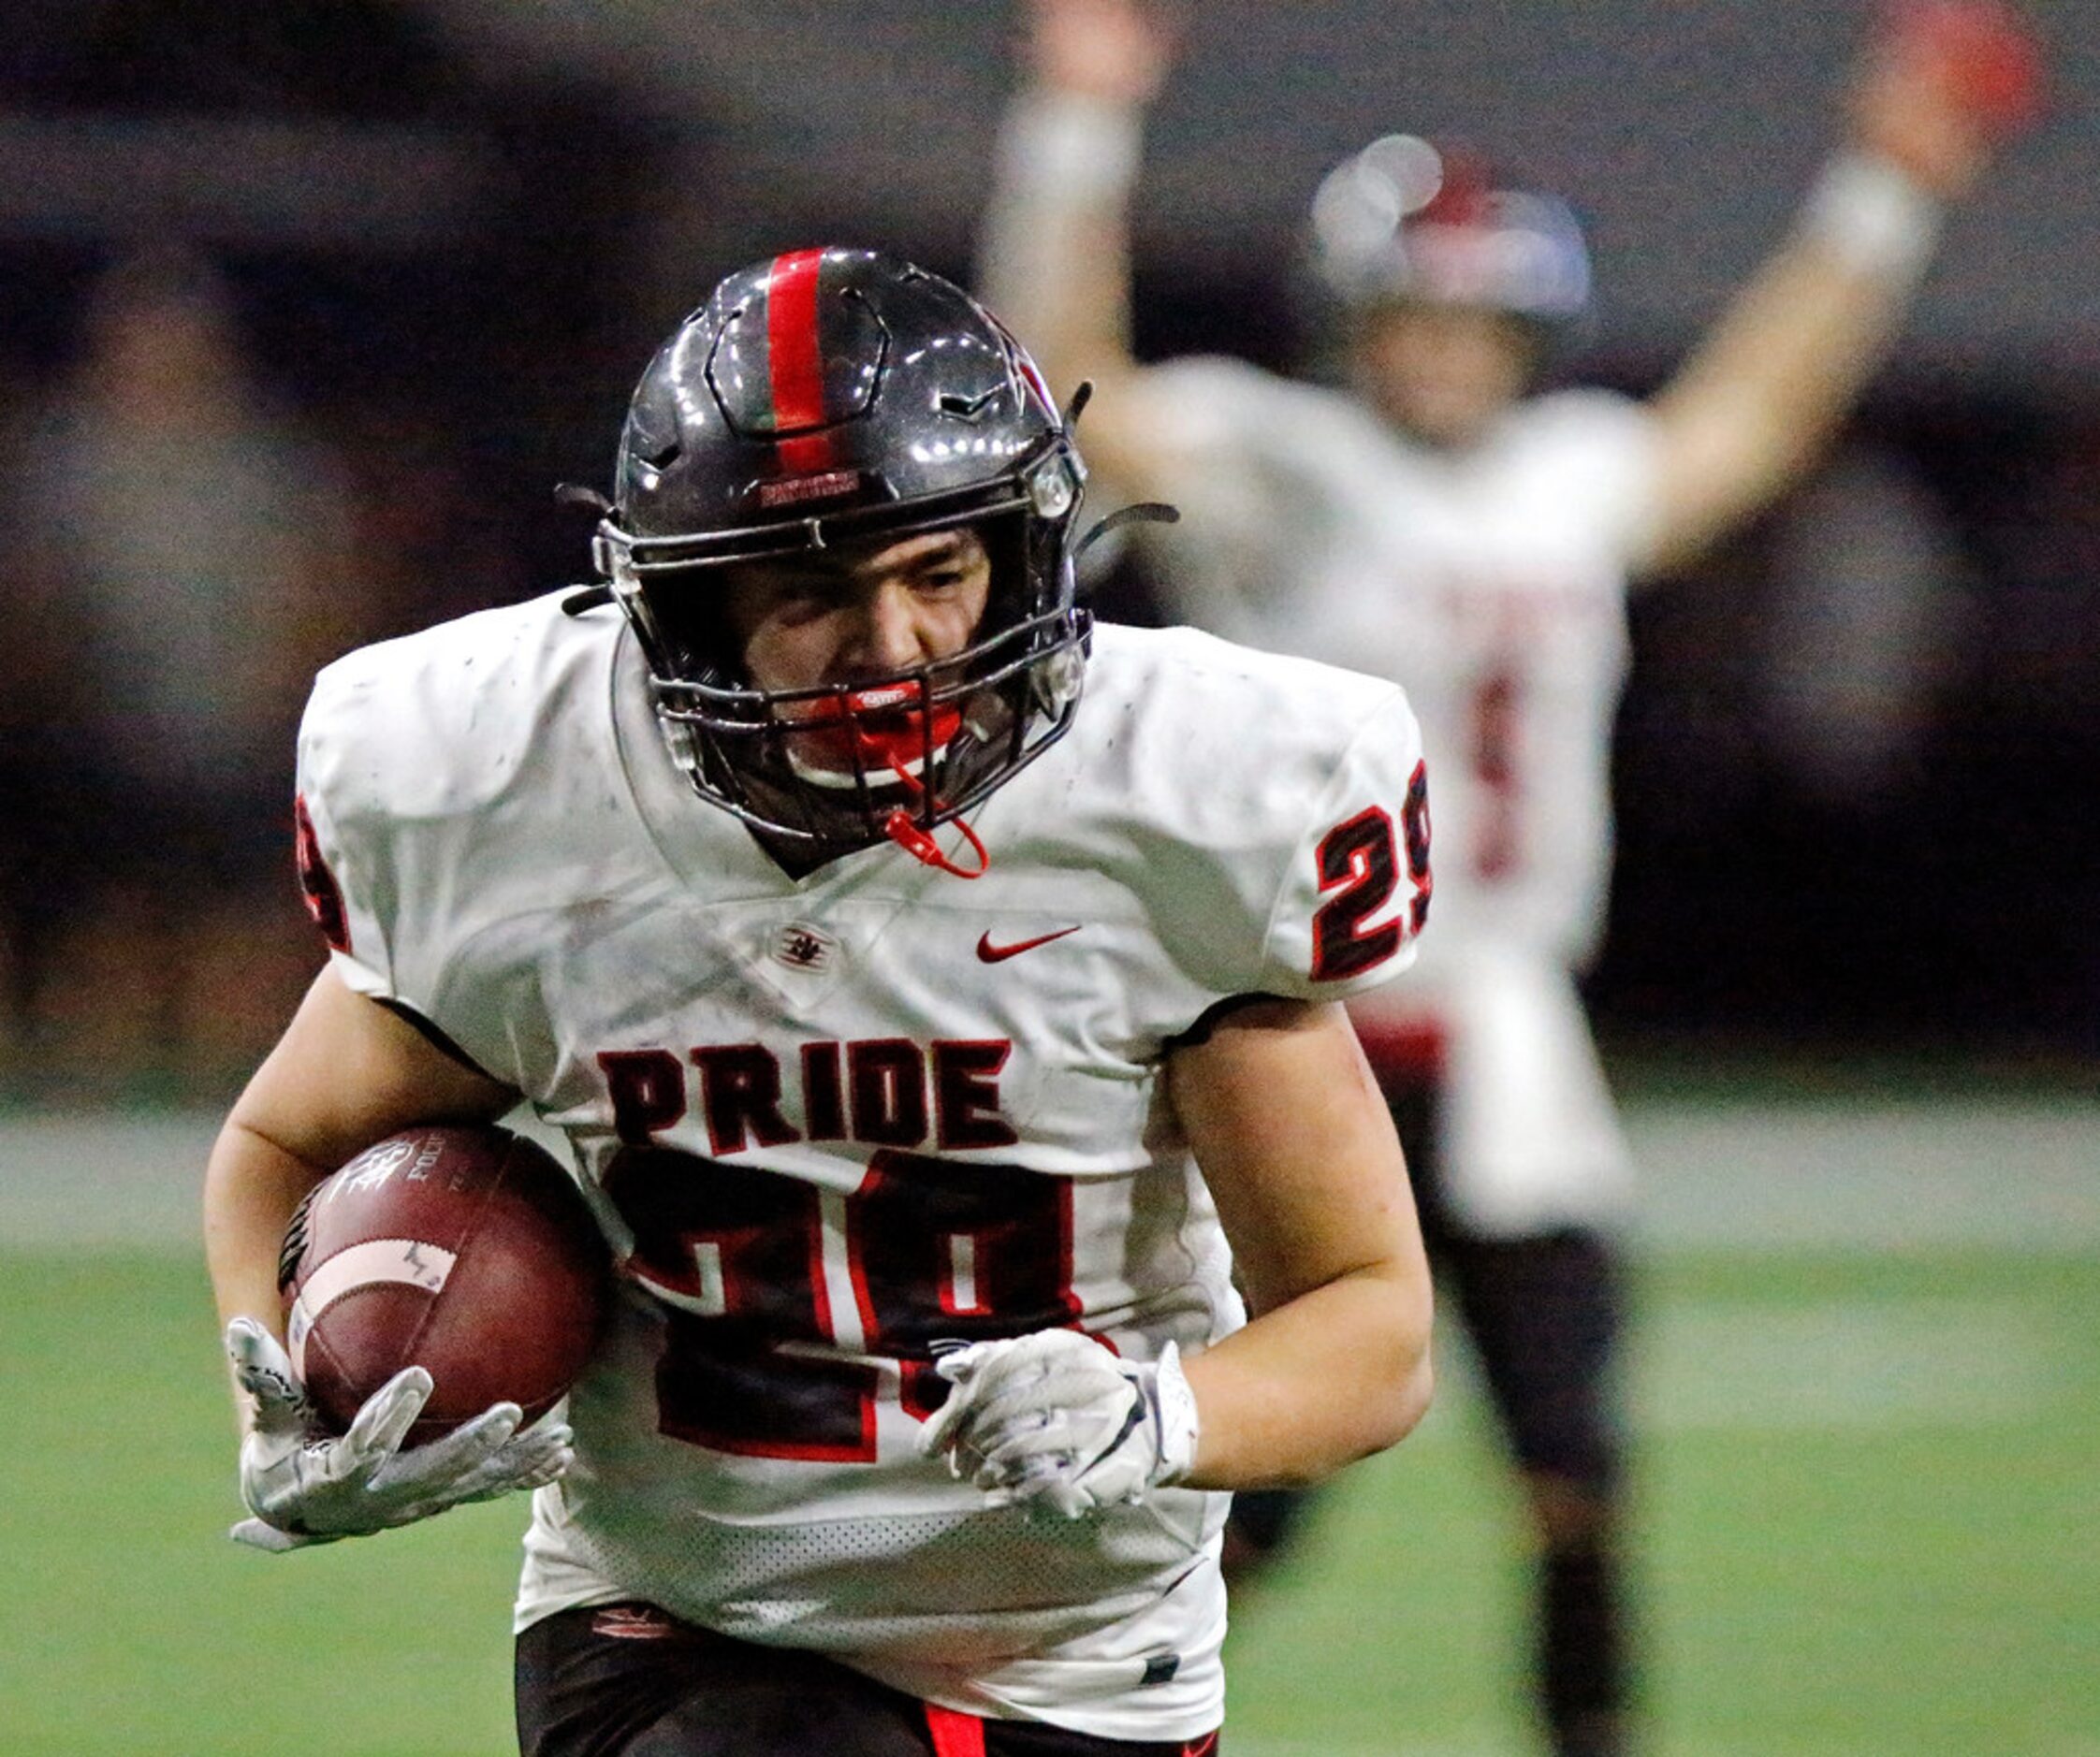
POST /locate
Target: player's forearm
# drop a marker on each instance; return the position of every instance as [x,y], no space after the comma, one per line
[1332,1376]
[1054,252]
[252,1184]
[1752,407]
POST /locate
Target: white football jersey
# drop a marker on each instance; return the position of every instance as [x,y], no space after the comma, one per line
[829,1122]
[1492,584]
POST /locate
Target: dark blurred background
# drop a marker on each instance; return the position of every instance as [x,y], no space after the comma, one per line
[304,308]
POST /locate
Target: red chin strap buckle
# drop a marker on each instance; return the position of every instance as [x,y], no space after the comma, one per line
[898,826]
[921,845]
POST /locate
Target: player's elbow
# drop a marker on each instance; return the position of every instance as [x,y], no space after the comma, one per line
[1396,1390]
[1318,1383]
[1411,1383]
[1413,1400]
[1381,1416]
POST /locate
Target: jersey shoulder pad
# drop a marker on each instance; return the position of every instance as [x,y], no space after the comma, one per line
[452,779]
[1586,415]
[1259,466]
[1275,808]
[446,720]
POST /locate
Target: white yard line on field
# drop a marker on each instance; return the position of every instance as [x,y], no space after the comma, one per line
[2007,1173]
[1837,1365]
[2015,1174]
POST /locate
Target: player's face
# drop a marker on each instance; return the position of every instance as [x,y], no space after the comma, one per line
[850,613]
[1442,372]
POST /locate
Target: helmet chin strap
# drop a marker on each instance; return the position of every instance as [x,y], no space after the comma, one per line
[918,842]
[924,849]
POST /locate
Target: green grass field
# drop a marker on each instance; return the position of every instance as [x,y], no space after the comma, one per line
[1870,1498]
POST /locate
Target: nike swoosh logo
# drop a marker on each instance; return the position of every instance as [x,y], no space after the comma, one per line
[989,953]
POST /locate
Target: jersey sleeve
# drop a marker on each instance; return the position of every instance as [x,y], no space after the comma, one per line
[1354,897]
[1272,812]
[339,878]
[1602,456]
[390,810]
[457,793]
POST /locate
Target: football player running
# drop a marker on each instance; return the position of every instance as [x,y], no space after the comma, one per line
[1434,522]
[940,995]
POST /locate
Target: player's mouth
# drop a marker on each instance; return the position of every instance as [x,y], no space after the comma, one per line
[878,734]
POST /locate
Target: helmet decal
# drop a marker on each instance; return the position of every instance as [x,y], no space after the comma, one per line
[827,485]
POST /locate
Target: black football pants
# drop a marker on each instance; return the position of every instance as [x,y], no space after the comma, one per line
[627,1681]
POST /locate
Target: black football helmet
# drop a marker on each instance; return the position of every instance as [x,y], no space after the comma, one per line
[817,399]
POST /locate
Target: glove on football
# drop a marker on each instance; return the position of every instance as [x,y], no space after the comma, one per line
[306,1488]
[1056,1417]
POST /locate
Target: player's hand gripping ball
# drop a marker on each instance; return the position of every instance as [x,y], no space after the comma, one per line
[304,1486]
[1058,1417]
[443,1290]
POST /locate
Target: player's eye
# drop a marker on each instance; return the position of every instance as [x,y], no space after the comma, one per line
[799,597]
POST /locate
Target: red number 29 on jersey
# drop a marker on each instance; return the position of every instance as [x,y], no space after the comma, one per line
[1360,863]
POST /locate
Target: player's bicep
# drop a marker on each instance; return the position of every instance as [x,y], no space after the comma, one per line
[349,1070]
[1717,456]
[1299,1151]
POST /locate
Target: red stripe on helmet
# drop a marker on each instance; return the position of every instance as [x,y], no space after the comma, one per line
[1039,384]
[795,359]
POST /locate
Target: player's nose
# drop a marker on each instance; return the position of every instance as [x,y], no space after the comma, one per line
[888,633]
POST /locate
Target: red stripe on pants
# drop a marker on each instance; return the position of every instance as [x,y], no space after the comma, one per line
[955,1735]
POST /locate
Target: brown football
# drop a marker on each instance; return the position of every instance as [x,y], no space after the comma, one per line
[466,1251]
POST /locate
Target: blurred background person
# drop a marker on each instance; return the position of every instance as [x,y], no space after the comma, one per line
[1434,521]
[191,544]
[262,415]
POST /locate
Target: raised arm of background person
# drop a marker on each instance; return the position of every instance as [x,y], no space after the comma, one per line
[1054,255]
[1751,408]
[1299,1155]
[347,1072]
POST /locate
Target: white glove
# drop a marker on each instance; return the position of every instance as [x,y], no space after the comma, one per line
[306,1488]
[1058,1416]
